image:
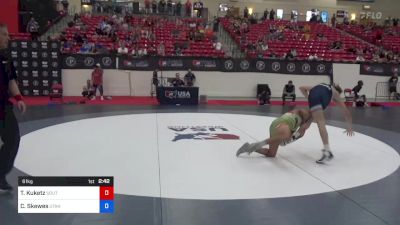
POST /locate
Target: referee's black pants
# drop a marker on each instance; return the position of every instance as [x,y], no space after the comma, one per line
[10,136]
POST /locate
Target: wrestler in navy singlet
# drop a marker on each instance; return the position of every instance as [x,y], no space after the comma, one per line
[320,96]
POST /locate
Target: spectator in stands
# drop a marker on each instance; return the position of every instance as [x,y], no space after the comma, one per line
[360,58]
[218,46]
[272,14]
[289,91]
[292,54]
[33,28]
[161,49]
[336,45]
[65,4]
[395,22]
[215,24]
[346,20]
[265,96]
[313,57]
[189,78]
[147,5]
[97,81]
[199,7]
[78,38]
[393,87]
[178,8]
[177,81]
[188,8]
[154,6]
[169,7]
[161,7]
[86,48]
[333,20]
[122,49]
[246,12]
[265,15]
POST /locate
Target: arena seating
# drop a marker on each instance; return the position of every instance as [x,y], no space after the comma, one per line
[295,39]
[163,34]
[388,37]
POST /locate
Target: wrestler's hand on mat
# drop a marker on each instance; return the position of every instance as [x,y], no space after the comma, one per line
[349,131]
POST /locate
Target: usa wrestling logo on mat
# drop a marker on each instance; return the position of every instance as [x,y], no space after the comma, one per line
[202,133]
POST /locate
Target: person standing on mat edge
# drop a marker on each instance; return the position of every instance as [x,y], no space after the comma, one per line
[9,130]
[97,80]
[319,98]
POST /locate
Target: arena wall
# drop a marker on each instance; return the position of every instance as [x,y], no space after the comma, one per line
[217,84]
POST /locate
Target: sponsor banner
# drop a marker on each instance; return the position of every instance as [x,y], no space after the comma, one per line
[88,61]
[170,63]
[226,65]
[37,65]
[277,66]
[379,69]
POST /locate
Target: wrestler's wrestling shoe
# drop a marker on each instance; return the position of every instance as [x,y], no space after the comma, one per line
[243,149]
[326,156]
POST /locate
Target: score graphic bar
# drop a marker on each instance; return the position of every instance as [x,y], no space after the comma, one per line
[65,194]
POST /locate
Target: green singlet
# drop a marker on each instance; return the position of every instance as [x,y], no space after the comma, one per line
[291,119]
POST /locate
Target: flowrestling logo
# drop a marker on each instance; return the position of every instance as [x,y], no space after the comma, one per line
[202,133]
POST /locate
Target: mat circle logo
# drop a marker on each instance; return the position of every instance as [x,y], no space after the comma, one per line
[35,64]
[89,61]
[306,68]
[107,61]
[45,54]
[24,54]
[228,65]
[260,65]
[35,83]
[54,64]
[291,67]
[45,73]
[70,61]
[202,133]
[244,65]
[321,68]
[54,45]
[276,66]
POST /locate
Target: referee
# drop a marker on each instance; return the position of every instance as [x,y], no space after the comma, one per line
[9,131]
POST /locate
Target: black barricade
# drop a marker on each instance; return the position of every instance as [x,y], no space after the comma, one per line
[88,61]
[226,65]
[37,64]
[379,69]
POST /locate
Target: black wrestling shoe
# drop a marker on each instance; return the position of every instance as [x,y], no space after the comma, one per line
[4,185]
[326,156]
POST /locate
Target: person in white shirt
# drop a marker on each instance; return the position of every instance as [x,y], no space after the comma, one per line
[218,46]
[122,49]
